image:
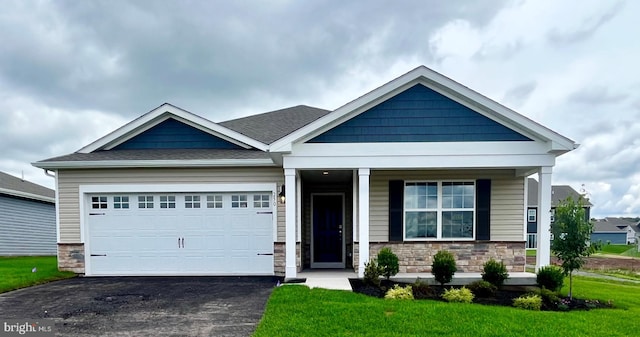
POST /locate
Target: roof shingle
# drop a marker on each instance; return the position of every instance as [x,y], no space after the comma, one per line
[271,126]
[10,184]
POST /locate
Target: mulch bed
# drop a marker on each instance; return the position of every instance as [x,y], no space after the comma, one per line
[503,297]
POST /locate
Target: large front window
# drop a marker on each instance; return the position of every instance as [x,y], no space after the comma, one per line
[439,210]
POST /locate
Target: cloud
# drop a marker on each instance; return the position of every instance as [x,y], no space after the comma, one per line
[585,29]
[596,95]
[519,94]
[72,71]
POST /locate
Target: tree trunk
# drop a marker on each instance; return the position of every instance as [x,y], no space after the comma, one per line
[571,284]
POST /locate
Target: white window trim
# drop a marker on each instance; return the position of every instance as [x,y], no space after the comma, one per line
[439,211]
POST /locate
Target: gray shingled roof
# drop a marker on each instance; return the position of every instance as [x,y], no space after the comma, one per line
[162,154]
[606,226]
[271,126]
[558,193]
[10,184]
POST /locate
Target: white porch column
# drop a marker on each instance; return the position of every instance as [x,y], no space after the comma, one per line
[543,254]
[291,268]
[363,218]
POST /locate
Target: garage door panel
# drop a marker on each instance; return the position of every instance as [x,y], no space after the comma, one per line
[181,240]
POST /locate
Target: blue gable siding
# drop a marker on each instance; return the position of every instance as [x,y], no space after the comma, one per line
[172,134]
[419,114]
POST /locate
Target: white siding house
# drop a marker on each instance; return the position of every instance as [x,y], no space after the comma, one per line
[27,218]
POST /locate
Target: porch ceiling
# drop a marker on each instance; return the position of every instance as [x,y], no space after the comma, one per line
[326,176]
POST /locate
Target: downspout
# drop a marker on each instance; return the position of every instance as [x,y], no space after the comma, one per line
[49,173]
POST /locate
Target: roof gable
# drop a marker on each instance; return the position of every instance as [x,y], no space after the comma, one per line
[173,134]
[418,114]
[159,115]
[556,143]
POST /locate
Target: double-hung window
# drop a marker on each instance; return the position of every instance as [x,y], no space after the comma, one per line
[439,210]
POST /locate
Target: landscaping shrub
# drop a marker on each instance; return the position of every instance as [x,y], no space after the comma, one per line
[550,277]
[388,262]
[462,295]
[443,267]
[399,293]
[372,273]
[482,288]
[528,302]
[550,299]
[421,290]
[495,272]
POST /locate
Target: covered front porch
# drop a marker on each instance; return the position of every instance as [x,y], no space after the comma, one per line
[336,229]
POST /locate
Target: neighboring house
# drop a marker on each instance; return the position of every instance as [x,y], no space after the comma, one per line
[618,231]
[559,193]
[27,218]
[419,164]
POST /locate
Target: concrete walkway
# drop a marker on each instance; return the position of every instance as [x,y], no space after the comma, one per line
[328,279]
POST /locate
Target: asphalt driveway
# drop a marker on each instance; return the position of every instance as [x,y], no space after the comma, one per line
[145,306]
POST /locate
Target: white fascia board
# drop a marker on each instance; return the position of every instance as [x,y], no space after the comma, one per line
[420,161]
[153,163]
[155,116]
[26,195]
[424,149]
[442,85]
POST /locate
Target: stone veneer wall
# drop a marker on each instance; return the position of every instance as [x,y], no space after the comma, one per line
[417,257]
[279,258]
[71,257]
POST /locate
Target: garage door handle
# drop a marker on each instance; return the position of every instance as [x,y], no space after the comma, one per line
[265,254]
[264,212]
[180,242]
[96,213]
[98,254]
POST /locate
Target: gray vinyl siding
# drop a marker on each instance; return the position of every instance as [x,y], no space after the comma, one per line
[70,180]
[507,199]
[27,227]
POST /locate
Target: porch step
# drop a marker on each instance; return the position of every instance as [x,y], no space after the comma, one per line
[328,279]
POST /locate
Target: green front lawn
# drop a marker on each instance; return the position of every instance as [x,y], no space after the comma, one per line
[295,310]
[616,249]
[17,272]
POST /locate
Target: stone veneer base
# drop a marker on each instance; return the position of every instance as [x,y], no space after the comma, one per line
[417,257]
[71,257]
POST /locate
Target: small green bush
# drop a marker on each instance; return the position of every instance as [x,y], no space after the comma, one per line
[388,262]
[462,295]
[482,288]
[550,277]
[495,272]
[443,267]
[372,273]
[528,302]
[399,293]
[550,299]
[421,290]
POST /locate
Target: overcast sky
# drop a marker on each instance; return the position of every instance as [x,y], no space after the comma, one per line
[72,71]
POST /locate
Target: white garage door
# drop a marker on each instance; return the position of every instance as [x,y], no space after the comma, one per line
[180,233]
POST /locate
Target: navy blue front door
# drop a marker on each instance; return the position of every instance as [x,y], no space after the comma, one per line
[328,217]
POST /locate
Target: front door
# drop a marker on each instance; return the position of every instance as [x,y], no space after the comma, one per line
[327,242]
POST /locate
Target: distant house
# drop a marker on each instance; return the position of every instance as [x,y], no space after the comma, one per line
[618,231]
[559,193]
[27,218]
